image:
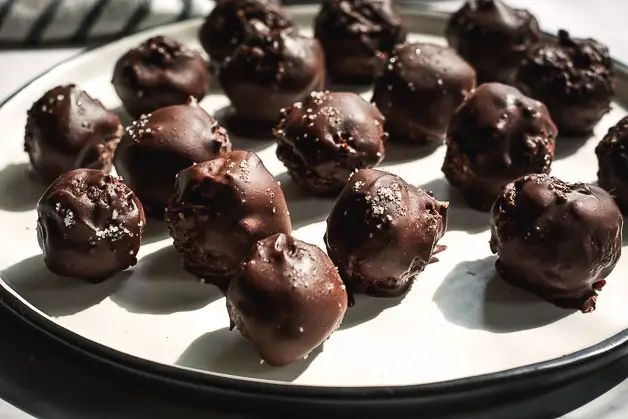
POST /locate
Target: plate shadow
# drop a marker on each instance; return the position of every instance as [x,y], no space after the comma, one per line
[473,296]
[567,146]
[155,230]
[358,89]
[18,190]
[305,209]
[125,118]
[367,308]
[397,152]
[239,142]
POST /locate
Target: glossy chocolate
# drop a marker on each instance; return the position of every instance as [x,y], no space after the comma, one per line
[497,135]
[382,232]
[287,299]
[612,155]
[358,37]
[159,145]
[328,136]
[555,239]
[574,78]
[160,72]
[420,90]
[220,208]
[89,225]
[66,129]
[492,37]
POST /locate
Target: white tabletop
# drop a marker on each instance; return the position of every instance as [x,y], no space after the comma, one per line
[604,395]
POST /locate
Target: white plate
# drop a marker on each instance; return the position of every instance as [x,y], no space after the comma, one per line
[458,321]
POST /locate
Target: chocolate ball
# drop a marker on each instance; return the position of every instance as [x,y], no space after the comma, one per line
[574,78]
[89,225]
[287,299]
[497,135]
[492,37]
[268,73]
[220,208]
[327,137]
[159,145]
[358,36]
[382,232]
[556,239]
[66,129]
[420,90]
[612,155]
[229,24]
[160,72]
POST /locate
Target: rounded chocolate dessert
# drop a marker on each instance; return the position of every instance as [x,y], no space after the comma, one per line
[497,135]
[382,232]
[358,36]
[219,209]
[492,37]
[327,137]
[160,72]
[556,239]
[89,225]
[287,299]
[66,129]
[574,78]
[159,145]
[420,90]
[612,155]
[229,24]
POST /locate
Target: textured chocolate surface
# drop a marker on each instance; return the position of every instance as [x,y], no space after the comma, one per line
[89,225]
[612,155]
[358,37]
[66,129]
[497,135]
[492,37]
[328,136]
[159,145]
[160,72]
[421,88]
[555,239]
[382,232]
[574,78]
[287,299]
[220,208]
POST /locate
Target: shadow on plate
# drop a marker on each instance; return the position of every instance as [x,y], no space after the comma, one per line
[367,308]
[363,90]
[227,352]
[473,296]
[56,295]
[397,152]
[305,209]
[567,146]
[155,230]
[125,118]
[159,285]
[18,190]
[241,142]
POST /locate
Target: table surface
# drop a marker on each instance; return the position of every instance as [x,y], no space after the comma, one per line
[46,379]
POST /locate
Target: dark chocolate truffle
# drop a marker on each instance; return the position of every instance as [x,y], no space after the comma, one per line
[574,78]
[358,36]
[287,299]
[89,225]
[555,239]
[159,145]
[229,24]
[267,74]
[327,137]
[497,135]
[220,208]
[160,72]
[382,232]
[421,88]
[492,37]
[612,155]
[66,129]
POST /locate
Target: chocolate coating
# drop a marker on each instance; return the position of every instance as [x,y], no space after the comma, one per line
[555,239]
[220,208]
[492,37]
[327,137]
[574,78]
[420,90]
[497,135]
[160,72]
[287,299]
[229,24]
[612,155]
[159,145]
[89,225]
[382,232]
[358,37]
[66,129]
